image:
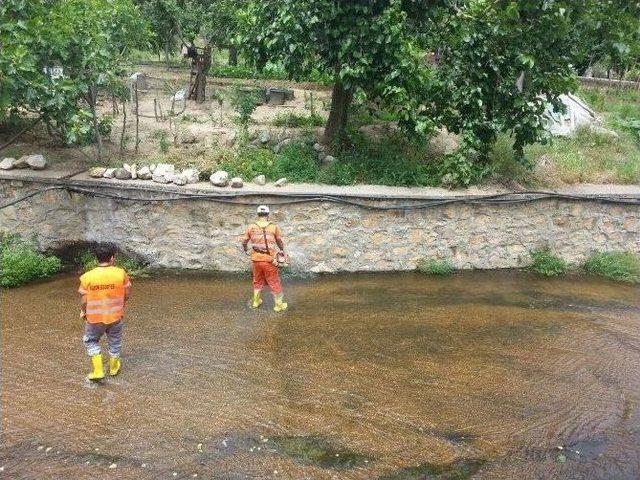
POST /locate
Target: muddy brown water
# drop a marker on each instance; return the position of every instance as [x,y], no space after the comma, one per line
[388,376]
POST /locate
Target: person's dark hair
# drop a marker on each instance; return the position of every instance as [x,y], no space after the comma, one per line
[263,214]
[104,252]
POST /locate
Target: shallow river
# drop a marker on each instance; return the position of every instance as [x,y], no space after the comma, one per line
[395,376]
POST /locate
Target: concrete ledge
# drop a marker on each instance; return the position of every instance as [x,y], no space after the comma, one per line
[367,192]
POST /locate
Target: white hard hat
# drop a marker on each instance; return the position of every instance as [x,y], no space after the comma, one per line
[263,209]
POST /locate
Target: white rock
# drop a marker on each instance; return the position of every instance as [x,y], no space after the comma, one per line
[260,180]
[21,162]
[152,167]
[109,173]
[7,163]
[144,173]
[164,169]
[192,175]
[230,139]
[318,147]
[162,177]
[329,159]
[236,182]
[180,179]
[281,183]
[220,178]
[36,162]
[265,137]
[122,174]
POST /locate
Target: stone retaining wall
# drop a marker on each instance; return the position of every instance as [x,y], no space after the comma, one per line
[322,236]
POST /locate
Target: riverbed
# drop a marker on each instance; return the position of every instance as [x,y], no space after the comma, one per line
[486,375]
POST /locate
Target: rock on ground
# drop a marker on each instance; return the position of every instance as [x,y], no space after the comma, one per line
[144,173]
[236,182]
[109,173]
[328,159]
[219,178]
[260,180]
[122,174]
[7,163]
[192,175]
[180,179]
[281,182]
[36,162]
[21,162]
[97,172]
[162,176]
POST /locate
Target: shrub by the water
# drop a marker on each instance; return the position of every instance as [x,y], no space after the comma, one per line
[87,260]
[432,266]
[546,263]
[21,263]
[621,266]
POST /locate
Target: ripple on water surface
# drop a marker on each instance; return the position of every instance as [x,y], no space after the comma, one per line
[395,376]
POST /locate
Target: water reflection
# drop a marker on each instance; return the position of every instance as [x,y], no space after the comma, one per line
[398,376]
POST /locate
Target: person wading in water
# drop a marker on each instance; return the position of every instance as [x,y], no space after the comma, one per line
[264,236]
[104,291]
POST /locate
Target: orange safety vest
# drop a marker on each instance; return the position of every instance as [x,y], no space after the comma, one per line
[105,288]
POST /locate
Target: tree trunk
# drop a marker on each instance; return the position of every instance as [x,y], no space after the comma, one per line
[93,98]
[233,56]
[202,65]
[337,122]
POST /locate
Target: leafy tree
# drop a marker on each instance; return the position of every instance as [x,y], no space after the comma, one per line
[163,17]
[606,32]
[87,39]
[502,63]
[366,46]
[204,25]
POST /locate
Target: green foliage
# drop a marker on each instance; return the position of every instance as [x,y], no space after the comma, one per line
[135,269]
[502,64]
[363,46]
[432,266]
[387,160]
[20,263]
[293,120]
[88,39]
[244,102]
[620,266]
[546,263]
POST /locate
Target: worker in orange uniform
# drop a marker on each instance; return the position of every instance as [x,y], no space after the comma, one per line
[105,291]
[264,236]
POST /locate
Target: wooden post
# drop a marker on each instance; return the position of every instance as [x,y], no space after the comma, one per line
[135,90]
[124,125]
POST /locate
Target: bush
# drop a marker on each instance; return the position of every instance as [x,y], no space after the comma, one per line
[620,266]
[297,162]
[20,263]
[432,266]
[389,160]
[249,163]
[135,269]
[545,263]
[294,120]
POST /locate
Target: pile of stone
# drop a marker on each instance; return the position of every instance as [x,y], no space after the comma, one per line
[323,157]
[222,179]
[34,162]
[159,173]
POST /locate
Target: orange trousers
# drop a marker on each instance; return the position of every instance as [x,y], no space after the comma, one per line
[266,272]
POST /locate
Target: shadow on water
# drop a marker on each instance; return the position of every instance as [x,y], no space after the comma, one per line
[458,470]
[318,451]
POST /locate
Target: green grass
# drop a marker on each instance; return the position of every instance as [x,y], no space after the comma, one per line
[134,268]
[21,263]
[619,266]
[432,266]
[546,263]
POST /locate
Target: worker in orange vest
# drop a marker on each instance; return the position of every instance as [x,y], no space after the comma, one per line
[105,291]
[265,238]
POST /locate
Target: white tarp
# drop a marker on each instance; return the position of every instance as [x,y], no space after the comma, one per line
[565,124]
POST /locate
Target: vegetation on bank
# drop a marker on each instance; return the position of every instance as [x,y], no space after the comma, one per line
[21,263]
[136,269]
[434,266]
[546,263]
[614,265]
[619,266]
